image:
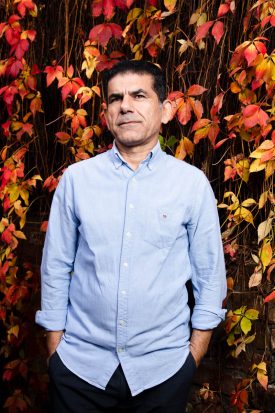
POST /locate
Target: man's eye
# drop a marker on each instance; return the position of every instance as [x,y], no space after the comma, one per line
[114,99]
[139,96]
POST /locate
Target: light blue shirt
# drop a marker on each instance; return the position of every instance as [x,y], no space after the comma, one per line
[120,246]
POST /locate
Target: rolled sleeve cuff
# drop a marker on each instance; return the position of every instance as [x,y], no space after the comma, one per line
[52,320]
[206,319]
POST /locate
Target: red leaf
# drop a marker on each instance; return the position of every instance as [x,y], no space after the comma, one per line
[101,34]
[97,8]
[203,30]
[197,107]
[218,31]
[195,90]
[175,95]
[14,67]
[66,89]
[270,297]
[213,132]
[217,105]
[53,72]
[223,9]
[7,235]
[254,115]
[21,48]
[50,183]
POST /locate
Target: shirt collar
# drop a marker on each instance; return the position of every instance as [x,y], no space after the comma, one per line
[151,160]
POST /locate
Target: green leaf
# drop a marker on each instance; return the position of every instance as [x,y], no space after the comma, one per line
[240,310]
[249,339]
[246,325]
[252,314]
[231,339]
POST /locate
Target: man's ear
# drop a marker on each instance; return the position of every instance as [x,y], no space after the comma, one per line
[104,110]
[167,111]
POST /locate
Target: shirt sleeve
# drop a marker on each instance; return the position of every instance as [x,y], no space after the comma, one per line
[207,259]
[58,257]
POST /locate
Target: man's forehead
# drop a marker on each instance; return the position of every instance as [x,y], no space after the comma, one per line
[130,81]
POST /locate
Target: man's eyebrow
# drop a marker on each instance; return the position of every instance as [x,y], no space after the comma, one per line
[138,91]
[131,93]
[115,95]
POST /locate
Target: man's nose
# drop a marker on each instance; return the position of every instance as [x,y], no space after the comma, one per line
[126,105]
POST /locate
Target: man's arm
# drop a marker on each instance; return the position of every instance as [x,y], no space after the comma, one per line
[199,343]
[53,339]
[208,269]
[58,262]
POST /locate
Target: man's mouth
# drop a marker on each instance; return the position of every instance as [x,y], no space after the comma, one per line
[128,122]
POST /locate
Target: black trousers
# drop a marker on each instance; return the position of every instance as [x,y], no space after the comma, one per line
[71,394]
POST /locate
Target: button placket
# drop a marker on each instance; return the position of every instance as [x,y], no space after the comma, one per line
[125,267]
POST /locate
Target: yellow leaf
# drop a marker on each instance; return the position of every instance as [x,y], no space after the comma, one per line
[257,166]
[263,199]
[252,314]
[81,112]
[22,221]
[270,168]
[248,202]
[255,279]
[262,376]
[19,234]
[194,18]
[13,330]
[266,254]
[134,14]
[13,193]
[170,4]
[264,229]
[25,195]
[245,325]
[244,214]
[202,19]
[242,168]
[37,177]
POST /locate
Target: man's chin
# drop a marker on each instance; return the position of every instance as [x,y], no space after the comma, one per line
[130,142]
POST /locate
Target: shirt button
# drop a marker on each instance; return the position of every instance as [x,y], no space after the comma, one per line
[134,180]
[122,322]
[121,349]
[125,264]
[131,206]
[128,234]
[123,292]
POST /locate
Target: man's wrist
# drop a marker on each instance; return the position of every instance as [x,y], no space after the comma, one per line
[53,339]
[199,343]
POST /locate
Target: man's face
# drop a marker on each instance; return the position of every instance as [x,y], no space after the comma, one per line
[134,113]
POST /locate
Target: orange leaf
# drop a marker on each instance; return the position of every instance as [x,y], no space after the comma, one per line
[201,123]
[63,137]
[185,147]
[184,112]
[270,297]
[44,226]
[195,90]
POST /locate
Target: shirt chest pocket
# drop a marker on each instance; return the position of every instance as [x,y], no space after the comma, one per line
[162,226]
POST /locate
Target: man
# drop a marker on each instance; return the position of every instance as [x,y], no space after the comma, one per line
[128,228]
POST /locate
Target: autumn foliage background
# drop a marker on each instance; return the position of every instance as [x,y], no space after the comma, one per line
[219,61]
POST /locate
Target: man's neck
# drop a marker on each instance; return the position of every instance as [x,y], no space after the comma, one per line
[136,154]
